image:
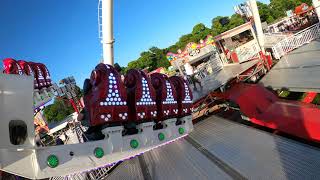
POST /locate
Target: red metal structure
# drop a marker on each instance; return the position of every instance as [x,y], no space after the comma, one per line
[265,108]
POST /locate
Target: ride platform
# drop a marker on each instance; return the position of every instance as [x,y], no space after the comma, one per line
[297,71]
[222,149]
[222,77]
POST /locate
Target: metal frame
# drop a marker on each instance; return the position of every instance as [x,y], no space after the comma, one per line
[297,40]
[16,104]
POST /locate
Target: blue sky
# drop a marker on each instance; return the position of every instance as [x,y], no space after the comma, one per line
[64,34]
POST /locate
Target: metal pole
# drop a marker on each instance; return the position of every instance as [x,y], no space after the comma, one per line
[107,31]
[316,5]
[257,22]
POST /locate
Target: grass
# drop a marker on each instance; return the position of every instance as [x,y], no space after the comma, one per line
[284,94]
[316,100]
[298,96]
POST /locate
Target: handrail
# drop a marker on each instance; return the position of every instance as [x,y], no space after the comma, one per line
[297,40]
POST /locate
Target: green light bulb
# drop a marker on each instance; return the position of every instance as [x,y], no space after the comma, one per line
[134,143]
[161,136]
[98,152]
[181,130]
[52,161]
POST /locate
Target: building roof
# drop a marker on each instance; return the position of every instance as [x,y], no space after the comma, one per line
[303,8]
[234,31]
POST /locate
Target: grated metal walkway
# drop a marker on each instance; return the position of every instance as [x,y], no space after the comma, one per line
[221,149]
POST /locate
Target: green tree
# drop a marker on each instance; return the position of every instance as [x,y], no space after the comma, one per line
[61,107]
[265,13]
[58,111]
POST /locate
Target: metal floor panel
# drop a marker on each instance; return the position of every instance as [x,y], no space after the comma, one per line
[181,161]
[178,160]
[256,154]
[297,71]
[129,169]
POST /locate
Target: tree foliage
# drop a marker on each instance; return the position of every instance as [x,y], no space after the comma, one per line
[156,57]
[60,108]
[277,8]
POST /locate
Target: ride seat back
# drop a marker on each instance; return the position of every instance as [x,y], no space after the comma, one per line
[141,96]
[166,97]
[106,100]
[184,95]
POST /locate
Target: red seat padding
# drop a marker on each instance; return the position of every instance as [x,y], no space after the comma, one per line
[184,95]
[141,96]
[106,101]
[45,74]
[38,75]
[11,66]
[166,97]
[28,71]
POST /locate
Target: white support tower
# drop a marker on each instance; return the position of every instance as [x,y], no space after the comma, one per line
[257,22]
[105,19]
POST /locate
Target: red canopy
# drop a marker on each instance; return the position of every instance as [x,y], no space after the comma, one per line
[303,8]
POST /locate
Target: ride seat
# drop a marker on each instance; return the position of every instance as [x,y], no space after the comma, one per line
[166,97]
[106,100]
[141,96]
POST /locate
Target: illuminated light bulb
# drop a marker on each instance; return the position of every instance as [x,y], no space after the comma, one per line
[52,161]
[161,136]
[181,130]
[134,143]
[98,152]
